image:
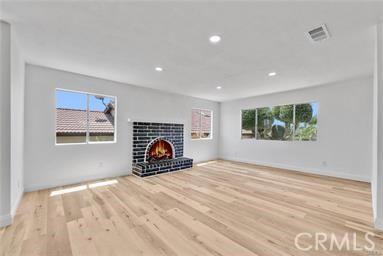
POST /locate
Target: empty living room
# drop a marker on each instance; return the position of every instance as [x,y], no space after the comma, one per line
[191,128]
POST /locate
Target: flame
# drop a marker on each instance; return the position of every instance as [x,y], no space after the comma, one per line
[161,149]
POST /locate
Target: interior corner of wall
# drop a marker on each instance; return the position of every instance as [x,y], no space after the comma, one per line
[16,205]
[5,220]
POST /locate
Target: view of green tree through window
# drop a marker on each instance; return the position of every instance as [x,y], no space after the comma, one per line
[248,124]
[286,122]
[283,128]
[264,123]
[306,119]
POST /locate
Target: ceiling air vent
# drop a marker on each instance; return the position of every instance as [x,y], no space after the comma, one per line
[319,34]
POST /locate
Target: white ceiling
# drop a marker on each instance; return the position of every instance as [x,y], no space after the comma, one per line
[125,41]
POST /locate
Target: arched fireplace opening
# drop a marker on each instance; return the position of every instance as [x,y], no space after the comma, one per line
[159,149]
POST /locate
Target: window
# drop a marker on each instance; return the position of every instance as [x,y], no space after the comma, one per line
[264,123]
[283,120]
[201,124]
[84,118]
[248,124]
[306,121]
[286,122]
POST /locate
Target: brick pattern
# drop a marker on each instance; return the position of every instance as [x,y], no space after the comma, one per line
[144,133]
[148,169]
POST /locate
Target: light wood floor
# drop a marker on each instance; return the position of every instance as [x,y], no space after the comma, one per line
[222,208]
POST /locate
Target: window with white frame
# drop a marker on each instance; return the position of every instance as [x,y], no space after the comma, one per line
[284,122]
[202,122]
[84,117]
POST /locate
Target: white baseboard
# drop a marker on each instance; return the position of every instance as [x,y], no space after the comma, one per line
[342,175]
[5,220]
[71,181]
[16,205]
[379,224]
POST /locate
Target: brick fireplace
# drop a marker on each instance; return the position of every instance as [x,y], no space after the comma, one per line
[158,148]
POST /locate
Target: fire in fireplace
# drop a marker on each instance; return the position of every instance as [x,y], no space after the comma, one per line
[159,149]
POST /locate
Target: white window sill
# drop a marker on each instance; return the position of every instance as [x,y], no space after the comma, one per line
[86,143]
[202,139]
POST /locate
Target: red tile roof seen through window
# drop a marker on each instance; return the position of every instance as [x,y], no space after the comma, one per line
[74,122]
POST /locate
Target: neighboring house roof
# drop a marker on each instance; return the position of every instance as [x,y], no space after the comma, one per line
[73,122]
[204,120]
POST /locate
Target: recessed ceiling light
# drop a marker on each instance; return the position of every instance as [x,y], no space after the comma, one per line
[272,73]
[159,69]
[215,39]
[219,87]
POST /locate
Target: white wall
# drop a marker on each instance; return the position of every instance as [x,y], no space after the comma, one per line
[17,122]
[377,139]
[343,148]
[12,124]
[5,120]
[47,165]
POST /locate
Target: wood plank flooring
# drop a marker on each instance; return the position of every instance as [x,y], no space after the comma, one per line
[222,208]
